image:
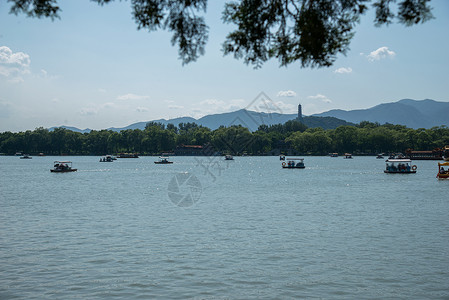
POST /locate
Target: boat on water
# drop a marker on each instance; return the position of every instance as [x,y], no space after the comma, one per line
[229,157]
[400,166]
[435,154]
[163,160]
[294,163]
[333,154]
[107,158]
[128,155]
[443,173]
[348,156]
[26,156]
[62,167]
[396,156]
[446,153]
[281,157]
[380,156]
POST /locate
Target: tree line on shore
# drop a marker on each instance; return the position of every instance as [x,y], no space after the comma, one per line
[156,138]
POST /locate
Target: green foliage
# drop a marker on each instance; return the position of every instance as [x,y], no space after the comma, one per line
[312,32]
[314,141]
[366,137]
[36,8]
[325,122]
[287,127]
[233,140]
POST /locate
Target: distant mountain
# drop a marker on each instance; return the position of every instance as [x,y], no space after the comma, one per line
[411,113]
[325,122]
[141,125]
[250,119]
[71,128]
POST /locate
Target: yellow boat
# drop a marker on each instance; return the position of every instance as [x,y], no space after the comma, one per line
[443,173]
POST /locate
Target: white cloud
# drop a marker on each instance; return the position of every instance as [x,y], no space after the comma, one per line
[269,106]
[381,53]
[109,105]
[142,109]
[235,104]
[5,109]
[287,108]
[173,106]
[343,70]
[214,106]
[88,111]
[222,106]
[18,59]
[215,102]
[288,93]
[321,98]
[13,65]
[43,74]
[94,109]
[132,97]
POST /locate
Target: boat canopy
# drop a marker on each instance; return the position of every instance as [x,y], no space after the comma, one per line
[443,164]
[399,160]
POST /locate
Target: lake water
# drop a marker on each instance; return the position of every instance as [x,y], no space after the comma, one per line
[206,228]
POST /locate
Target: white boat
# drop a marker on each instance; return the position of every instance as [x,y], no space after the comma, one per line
[294,163]
[163,160]
[400,166]
[62,167]
[229,157]
[26,156]
[128,155]
[107,158]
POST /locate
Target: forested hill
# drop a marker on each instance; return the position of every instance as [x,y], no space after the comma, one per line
[411,113]
[325,122]
[249,119]
[157,138]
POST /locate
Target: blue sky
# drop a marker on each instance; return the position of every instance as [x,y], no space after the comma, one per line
[93,68]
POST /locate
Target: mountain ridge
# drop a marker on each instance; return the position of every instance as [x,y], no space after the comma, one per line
[415,114]
[425,113]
